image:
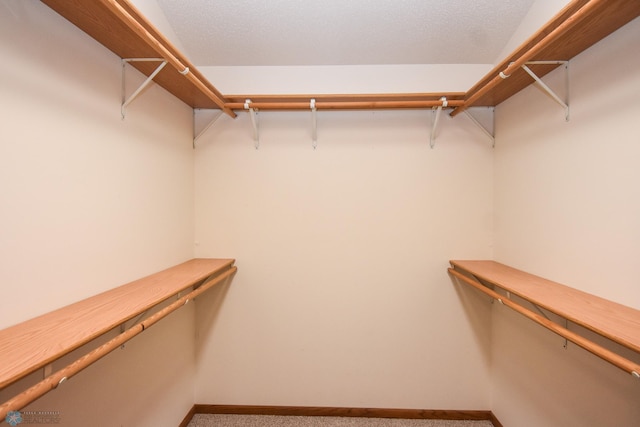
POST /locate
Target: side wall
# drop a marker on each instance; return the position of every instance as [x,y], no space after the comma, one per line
[567,207]
[89,202]
[342,296]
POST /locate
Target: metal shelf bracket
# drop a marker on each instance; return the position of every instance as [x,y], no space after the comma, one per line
[123,326]
[564,103]
[127,101]
[435,118]
[253,113]
[565,322]
[196,134]
[490,133]
[47,370]
[314,123]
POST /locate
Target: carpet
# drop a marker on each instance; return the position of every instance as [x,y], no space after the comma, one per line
[220,420]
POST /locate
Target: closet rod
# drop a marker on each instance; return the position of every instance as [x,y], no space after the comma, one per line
[139,29]
[344,105]
[582,13]
[590,346]
[51,382]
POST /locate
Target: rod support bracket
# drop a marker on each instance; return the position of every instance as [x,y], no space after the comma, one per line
[314,123]
[564,103]
[253,114]
[126,101]
[196,134]
[435,118]
[490,133]
[47,370]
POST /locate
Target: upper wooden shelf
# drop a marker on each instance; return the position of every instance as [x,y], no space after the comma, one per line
[35,343]
[101,20]
[346,101]
[616,322]
[601,19]
[104,20]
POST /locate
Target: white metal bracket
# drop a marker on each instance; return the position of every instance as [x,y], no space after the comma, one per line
[314,123]
[47,370]
[564,103]
[197,134]
[565,324]
[123,326]
[253,113]
[435,118]
[127,101]
[490,133]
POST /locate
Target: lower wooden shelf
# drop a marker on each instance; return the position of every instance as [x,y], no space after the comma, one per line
[615,322]
[36,343]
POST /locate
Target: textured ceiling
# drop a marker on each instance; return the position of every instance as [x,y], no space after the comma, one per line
[344,32]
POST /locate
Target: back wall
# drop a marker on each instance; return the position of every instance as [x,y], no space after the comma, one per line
[342,296]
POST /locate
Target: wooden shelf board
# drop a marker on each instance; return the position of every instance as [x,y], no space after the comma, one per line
[614,321]
[348,97]
[32,344]
[96,20]
[603,21]
[99,22]
[346,101]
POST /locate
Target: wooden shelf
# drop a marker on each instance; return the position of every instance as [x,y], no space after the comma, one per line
[346,101]
[600,21]
[35,343]
[616,322]
[100,19]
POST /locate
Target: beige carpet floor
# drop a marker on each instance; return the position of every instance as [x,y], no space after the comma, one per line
[207,420]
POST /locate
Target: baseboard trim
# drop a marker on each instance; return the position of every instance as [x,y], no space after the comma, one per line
[495,421]
[320,411]
[187,419]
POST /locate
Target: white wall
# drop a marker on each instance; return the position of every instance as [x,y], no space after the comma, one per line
[567,204]
[541,12]
[89,202]
[423,78]
[154,14]
[342,296]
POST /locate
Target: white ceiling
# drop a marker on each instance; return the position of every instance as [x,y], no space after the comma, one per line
[344,32]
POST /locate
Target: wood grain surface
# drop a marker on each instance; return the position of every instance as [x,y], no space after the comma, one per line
[37,342]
